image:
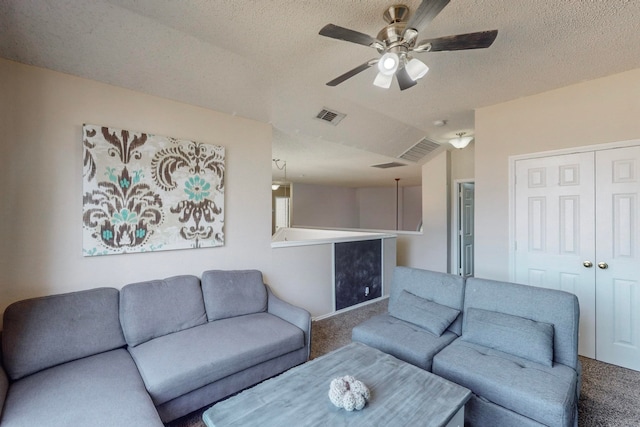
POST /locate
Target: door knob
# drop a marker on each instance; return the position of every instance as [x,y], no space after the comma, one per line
[603,265]
[588,264]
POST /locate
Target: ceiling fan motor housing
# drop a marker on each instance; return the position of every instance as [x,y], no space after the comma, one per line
[394,35]
[391,35]
[396,13]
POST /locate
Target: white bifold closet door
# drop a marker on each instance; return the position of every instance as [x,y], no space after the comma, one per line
[577,229]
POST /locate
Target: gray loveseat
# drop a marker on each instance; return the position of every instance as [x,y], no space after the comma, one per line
[146,354]
[514,346]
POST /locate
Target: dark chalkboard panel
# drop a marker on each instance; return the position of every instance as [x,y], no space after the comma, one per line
[358,272]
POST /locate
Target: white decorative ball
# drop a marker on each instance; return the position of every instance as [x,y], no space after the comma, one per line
[349,401]
[360,401]
[337,390]
[348,393]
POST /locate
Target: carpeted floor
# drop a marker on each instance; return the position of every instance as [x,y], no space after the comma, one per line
[610,395]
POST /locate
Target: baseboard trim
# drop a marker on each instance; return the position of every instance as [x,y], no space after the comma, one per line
[353,307]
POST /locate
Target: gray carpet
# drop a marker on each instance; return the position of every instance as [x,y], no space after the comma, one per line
[610,395]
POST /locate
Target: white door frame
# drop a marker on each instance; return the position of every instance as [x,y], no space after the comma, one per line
[455,220]
[512,187]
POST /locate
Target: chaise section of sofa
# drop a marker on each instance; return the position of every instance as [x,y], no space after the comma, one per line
[518,354]
[424,316]
[514,346]
[66,365]
[147,354]
[195,343]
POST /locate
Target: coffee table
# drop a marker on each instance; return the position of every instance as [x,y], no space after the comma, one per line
[401,395]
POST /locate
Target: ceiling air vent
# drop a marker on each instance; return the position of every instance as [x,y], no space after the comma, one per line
[388,165]
[330,116]
[419,151]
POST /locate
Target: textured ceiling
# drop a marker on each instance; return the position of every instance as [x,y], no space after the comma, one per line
[265,60]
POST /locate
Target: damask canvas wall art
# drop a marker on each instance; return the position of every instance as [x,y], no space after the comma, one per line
[145,192]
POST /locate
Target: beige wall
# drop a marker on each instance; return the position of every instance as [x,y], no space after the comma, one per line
[324,206]
[429,250]
[370,208]
[41,117]
[463,163]
[599,111]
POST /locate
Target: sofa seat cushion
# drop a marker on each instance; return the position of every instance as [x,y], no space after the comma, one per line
[184,361]
[542,393]
[100,390]
[404,340]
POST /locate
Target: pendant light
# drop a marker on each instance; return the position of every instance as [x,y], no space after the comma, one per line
[461,141]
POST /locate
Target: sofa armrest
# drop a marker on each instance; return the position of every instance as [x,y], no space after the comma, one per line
[4,380]
[579,382]
[292,314]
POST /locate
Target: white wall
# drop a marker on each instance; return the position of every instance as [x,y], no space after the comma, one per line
[594,112]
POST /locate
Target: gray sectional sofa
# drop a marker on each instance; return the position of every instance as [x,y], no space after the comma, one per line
[514,346]
[147,354]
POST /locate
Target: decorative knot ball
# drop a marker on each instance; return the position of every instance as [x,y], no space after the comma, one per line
[348,393]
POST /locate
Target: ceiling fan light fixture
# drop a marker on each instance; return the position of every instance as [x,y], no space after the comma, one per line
[383,80]
[274,187]
[397,40]
[461,141]
[388,63]
[416,69]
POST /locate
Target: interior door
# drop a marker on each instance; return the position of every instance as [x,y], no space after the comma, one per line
[465,229]
[618,257]
[554,231]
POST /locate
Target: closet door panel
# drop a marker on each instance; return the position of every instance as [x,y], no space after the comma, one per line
[554,231]
[618,257]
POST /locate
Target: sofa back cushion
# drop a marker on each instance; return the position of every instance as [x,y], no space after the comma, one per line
[233,293]
[515,335]
[159,307]
[433,317]
[440,288]
[43,332]
[542,305]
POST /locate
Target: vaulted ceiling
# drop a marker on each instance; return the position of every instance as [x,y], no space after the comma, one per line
[265,60]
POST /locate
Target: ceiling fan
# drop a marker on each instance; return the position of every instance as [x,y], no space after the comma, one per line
[397,42]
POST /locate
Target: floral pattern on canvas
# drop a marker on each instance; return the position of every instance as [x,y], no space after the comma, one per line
[144,192]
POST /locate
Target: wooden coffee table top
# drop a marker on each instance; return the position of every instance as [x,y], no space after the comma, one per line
[401,395]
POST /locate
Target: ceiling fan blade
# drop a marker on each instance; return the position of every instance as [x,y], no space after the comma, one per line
[351,73]
[425,13]
[404,81]
[479,40]
[341,33]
